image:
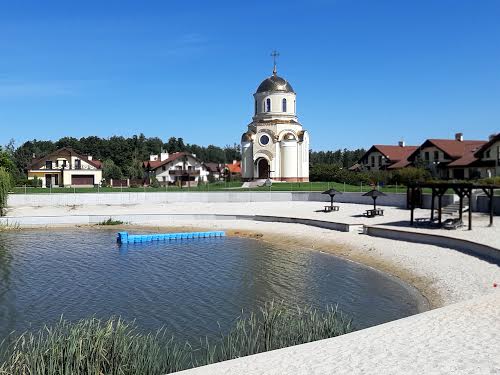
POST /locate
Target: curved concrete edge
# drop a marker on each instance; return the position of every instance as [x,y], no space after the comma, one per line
[482,251]
[34,221]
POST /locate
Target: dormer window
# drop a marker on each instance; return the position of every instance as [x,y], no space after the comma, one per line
[48,164]
[268,105]
[283,105]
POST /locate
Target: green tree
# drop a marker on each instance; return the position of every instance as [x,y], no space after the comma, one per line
[111,170]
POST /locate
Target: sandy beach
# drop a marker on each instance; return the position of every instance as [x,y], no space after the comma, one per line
[443,276]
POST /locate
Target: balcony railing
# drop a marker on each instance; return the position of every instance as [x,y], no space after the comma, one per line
[67,167]
[184,172]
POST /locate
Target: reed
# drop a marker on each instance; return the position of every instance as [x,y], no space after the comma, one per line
[94,346]
[110,221]
[5,186]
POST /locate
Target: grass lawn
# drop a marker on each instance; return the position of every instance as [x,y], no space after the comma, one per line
[214,187]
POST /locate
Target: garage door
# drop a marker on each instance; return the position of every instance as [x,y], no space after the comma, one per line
[82,180]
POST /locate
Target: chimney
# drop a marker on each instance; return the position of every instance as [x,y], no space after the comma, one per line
[34,156]
[153,157]
[89,157]
[163,156]
[459,137]
[401,143]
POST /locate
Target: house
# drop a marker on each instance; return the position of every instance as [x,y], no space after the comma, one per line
[448,158]
[488,156]
[385,157]
[66,168]
[180,168]
[215,170]
[233,169]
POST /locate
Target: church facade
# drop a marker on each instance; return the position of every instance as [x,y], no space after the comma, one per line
[275,146]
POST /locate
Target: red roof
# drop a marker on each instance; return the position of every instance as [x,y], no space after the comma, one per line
[234,167]
[456,149]
[395,153]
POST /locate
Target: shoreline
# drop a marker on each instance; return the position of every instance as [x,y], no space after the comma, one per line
[427,296]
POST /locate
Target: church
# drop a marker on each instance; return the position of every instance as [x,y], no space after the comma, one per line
[275,145]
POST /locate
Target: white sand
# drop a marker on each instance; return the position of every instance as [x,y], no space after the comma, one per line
[442,275]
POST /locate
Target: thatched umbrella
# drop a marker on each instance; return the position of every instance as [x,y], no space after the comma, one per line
[374,194]
[331,193]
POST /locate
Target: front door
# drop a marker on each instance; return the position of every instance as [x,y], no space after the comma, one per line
[263,168]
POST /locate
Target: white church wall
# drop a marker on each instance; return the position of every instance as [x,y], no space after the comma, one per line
[289,159]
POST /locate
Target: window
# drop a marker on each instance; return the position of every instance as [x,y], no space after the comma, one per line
[255,111]
[487,154]
[498,153]
[78,164]
[268,105]
[284,105]
[373,161]
[380,160]
[64,164]
[426,156]
[164,179]
[164,168]
[264,140]
[48,164]
[436,155]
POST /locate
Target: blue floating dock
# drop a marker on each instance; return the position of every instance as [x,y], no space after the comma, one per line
[124,237]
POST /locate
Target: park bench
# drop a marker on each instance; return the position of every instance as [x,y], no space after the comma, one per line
[374,212]
[331,208]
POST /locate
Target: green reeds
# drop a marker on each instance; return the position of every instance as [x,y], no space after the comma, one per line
[101,347]
[110,222]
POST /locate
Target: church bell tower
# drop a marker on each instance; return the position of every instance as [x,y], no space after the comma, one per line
[275,145]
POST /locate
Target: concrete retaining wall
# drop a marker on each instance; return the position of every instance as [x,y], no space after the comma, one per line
[162,219]
[68,199]
[473,248]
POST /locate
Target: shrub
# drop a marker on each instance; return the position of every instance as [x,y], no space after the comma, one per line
[155,183]
[5,186]
[490,181]
[110,222]
[409,175]
[94,346]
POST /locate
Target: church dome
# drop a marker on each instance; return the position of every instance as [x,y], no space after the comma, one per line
[275,84]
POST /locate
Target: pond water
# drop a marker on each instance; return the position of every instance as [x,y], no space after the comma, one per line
[187,286]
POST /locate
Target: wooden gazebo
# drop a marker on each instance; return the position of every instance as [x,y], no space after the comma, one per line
[462,189]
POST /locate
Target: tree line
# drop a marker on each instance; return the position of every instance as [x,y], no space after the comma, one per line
[122,157]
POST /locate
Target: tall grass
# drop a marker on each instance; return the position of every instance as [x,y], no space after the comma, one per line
[5,186]
[101,347]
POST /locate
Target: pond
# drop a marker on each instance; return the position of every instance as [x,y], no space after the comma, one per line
[188,286]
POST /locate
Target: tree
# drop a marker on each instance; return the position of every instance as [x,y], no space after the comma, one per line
[111,170]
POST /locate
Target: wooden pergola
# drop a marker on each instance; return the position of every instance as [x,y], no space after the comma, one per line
[462,189]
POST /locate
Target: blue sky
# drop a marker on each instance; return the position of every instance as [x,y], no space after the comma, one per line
[364,71]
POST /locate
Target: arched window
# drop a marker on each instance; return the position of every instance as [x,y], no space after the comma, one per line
[255,112]
[268,105]
[294,107]
[284,105]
